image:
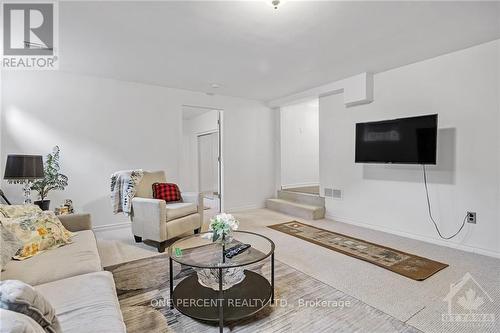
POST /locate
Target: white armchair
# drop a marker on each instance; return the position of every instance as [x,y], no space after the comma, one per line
[158,221]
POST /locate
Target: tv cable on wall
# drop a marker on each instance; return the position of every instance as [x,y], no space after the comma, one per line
[410,140]
[430,211]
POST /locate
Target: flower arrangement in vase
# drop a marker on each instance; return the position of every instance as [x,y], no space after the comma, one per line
[221,228]
[220,231]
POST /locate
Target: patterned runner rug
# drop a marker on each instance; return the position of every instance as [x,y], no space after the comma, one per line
[406,264]
[303,304]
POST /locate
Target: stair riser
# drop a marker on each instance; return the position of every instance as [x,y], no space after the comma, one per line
[307,199]
[307,214]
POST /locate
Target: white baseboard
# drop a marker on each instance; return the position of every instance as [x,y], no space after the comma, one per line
[466,248]
[113,226]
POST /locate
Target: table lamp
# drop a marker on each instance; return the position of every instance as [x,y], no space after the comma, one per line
[23,169]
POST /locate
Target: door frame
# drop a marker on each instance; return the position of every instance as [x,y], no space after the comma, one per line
[220,129]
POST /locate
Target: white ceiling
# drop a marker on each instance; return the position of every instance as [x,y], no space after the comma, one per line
[254,51]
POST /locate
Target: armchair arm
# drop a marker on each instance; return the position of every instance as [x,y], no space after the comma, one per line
[148,218]
[194,197]
[76,222]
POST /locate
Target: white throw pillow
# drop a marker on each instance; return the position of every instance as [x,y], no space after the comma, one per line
[9,245]
[19,210]
[38,232]
[20,297]
[15,322]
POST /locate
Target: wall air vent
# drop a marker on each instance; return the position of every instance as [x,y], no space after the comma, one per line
[333,193]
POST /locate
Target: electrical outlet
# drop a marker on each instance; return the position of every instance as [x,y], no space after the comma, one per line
[471,217]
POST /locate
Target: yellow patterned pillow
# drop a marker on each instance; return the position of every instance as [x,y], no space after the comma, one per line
[19,210]
[38,232]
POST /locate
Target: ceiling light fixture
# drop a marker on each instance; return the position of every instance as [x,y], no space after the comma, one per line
[214,85]
[275,3]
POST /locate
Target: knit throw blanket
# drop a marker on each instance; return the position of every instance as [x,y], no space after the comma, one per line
[123,188]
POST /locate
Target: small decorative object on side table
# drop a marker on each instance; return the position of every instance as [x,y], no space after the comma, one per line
[63,210]
[69,204]
[24,169]
[231,297]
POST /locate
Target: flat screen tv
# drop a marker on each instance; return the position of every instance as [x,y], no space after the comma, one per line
[403,141]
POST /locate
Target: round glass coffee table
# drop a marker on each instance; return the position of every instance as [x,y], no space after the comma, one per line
[221,290]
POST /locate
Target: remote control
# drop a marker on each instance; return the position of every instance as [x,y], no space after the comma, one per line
[235,250]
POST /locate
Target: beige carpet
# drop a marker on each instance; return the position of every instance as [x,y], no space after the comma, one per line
[114,251]
[419,303]
[304,189]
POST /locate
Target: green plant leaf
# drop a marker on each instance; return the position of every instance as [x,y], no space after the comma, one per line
[53,180]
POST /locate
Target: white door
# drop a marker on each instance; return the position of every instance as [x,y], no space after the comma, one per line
[208,168]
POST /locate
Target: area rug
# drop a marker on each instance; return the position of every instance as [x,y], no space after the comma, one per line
[406,264]
[303,304]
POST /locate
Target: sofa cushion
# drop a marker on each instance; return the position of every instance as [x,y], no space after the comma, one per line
[15,322]
[77,258]
[183,226]
[180,209]
[85,303]
[18,296]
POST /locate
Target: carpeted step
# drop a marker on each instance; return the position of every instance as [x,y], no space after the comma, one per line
[302,198]
[309,212]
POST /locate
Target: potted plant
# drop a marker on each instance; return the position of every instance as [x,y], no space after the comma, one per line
[52,180]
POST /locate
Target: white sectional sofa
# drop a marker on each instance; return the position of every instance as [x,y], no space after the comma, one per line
[72,280]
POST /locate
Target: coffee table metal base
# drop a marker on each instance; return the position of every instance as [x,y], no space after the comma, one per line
[240,301]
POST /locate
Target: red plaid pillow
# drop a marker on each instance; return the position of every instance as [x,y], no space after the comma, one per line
[166,191]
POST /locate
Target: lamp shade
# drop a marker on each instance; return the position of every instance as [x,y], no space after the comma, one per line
[23,167]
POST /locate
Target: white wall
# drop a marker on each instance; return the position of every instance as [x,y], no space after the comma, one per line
[498,129]
[204,123]
[1,136]
[300,144]
[463,88]
[105,125]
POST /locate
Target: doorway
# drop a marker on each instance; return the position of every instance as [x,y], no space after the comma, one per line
[201,164]
[208,168]
[299,125]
